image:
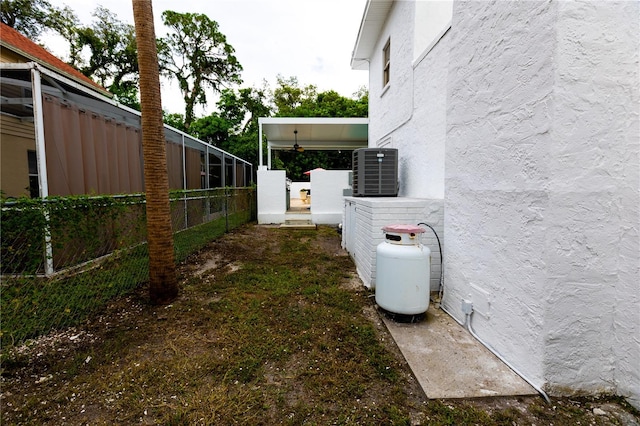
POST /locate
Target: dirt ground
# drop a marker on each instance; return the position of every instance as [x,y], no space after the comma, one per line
[42,380]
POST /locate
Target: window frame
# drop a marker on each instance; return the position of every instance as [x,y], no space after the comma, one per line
[386,63]
[34,181]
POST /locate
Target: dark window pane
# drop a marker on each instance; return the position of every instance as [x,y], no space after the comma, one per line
[33,162]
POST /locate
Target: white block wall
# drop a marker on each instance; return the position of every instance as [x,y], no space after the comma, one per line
[364,218]
[542,188]
[272,196]
[327,195]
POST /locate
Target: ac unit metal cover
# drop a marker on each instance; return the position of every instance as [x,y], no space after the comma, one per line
[375,172]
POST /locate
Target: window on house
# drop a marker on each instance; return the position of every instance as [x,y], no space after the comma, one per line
[386,63]
[34,186]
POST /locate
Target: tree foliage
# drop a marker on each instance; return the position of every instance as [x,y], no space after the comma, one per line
[113,56]
[174,120]
[33,17]
[198,57]
[234,128]
[196,54]
[292,100]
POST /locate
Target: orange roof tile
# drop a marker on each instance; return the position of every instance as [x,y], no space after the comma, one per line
[13,40]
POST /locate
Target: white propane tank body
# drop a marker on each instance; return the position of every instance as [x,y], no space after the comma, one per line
[403,271]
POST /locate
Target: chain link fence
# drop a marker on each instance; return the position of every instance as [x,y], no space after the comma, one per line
[63,259]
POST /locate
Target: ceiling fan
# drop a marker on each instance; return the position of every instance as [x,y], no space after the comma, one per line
[296,147]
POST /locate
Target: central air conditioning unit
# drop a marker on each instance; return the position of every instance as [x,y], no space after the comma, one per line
[375,172]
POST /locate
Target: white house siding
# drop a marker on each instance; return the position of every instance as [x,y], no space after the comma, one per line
[392,106]
[421,143]
[17,138]
[399,117]
[542,188]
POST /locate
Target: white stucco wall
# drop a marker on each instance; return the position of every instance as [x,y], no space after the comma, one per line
[593,251]
[272,196]
[327,196]
[431,19]
[392,105]
[399,117]
[500,90]
[542,188]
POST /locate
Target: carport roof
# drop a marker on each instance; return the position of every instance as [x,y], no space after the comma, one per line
[315,133]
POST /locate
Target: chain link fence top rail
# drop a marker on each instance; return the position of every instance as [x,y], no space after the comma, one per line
[63,259]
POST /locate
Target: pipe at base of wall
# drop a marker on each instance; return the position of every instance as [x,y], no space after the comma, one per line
[467,325]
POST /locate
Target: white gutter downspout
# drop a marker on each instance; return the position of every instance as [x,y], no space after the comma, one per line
[41,157]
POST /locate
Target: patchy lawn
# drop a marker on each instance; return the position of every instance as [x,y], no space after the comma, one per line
[271,327]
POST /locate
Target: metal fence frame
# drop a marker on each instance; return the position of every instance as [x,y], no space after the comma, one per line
[189,208]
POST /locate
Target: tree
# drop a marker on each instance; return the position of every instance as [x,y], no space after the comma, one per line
[294,101]
[174,120]
[33,17]
[235,127]
[163,282]
[197,55]
[112,61]
[291,100]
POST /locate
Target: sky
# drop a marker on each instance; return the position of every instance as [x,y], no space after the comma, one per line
[308,39]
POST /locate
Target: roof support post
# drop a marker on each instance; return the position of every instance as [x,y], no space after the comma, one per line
[260,160]
[184,184]
[223,170]
[206,167]
[41,157]
[235,174]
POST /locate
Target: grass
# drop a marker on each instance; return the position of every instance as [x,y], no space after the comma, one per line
[33,305]
[269,329]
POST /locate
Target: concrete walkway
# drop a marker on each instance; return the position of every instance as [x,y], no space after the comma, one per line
[449,362]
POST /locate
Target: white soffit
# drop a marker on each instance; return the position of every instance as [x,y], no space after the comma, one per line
[316,133]
[375,15]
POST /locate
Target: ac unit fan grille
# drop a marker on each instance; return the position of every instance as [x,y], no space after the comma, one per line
[375,172]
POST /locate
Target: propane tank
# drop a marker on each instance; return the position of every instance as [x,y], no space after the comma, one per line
[403,271]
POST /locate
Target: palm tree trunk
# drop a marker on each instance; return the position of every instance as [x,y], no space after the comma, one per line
[163,282]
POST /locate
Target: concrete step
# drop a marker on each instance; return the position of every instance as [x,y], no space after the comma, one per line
[305,216]
[298,224]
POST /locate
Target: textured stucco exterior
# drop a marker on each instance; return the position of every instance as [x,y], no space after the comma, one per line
[327,195]
[398,116]
[541,188]
[524,117]
[272,196]
[593,322]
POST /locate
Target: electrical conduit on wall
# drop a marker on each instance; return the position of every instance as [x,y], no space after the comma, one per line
[467,309]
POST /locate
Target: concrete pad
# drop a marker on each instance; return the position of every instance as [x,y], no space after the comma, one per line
[449,362]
